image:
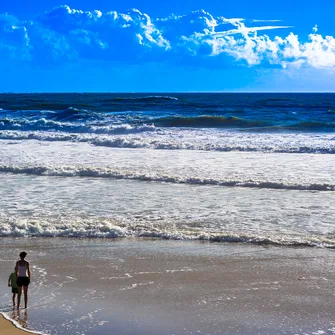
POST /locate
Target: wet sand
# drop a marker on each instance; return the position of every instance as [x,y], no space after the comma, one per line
[7,328]
[175,287]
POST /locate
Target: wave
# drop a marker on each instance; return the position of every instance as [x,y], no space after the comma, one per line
[69,113]
[312,125]
[121,227]
[97,103]
[72,114]
[84,120]
[236,122]
[75,171]
[160,140]
[67,127]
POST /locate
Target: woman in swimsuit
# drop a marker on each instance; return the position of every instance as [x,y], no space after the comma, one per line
[23,278]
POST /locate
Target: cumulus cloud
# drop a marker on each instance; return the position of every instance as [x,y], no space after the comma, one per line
[64,34]
[14,39]
[106,30]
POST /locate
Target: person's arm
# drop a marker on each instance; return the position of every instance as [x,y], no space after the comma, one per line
[9,281]
[16,270]
[28,270]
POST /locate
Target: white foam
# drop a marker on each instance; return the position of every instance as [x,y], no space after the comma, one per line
[17,325]
[148,136]
[42,125]
[178,270]
[165,194]
[135,285]
[96,228]
[72,171]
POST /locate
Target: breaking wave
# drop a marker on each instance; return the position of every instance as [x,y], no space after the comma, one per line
[119,227]
[67,127]
[162,139]
[236,122]
[69,171]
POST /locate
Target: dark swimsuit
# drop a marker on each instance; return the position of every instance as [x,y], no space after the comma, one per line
[22,280]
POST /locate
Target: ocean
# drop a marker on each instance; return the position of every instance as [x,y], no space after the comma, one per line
[174,213]
[251,168]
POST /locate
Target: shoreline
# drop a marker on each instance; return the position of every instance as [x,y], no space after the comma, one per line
[214,238]
[9,327]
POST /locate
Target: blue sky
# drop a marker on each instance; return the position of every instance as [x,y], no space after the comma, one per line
[136,46]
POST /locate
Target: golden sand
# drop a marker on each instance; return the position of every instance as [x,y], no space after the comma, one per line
[7,328]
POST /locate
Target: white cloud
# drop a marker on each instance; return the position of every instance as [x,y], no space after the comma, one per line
[248,46]
[247,30]
[14,39]
[65,34]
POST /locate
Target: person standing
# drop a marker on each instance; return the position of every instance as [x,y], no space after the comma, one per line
[23,279]
[12,283]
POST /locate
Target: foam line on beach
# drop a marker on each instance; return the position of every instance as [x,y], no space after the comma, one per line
[18,326]
[185,139]
[97,172]
[77,227]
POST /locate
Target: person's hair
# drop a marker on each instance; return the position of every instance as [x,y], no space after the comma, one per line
[23,254]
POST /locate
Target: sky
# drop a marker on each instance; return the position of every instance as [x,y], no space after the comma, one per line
[167,46]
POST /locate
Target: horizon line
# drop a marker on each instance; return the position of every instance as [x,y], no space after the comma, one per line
[173,92]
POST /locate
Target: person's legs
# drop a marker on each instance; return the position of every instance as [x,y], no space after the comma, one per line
[14,296]
[25,290]
[19,289]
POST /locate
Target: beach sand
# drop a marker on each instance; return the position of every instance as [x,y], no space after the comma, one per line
[175,287]
[7,328]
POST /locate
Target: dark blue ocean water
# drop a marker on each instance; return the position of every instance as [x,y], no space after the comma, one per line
[94,113]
